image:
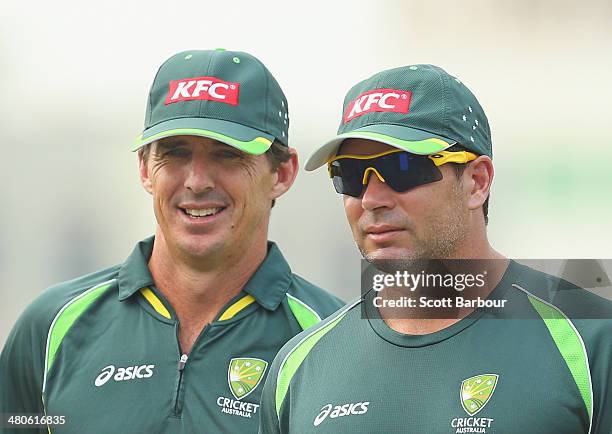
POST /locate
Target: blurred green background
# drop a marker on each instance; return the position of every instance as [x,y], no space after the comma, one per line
[74,79]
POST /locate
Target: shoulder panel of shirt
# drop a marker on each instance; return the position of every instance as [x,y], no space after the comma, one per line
[295,351]
[24,357]
[580,324]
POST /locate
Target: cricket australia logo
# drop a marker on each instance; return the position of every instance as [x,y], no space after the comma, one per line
[475,393]
[243,376]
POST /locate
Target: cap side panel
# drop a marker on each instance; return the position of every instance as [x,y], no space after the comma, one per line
[446,101]
[149,112]
[266,95]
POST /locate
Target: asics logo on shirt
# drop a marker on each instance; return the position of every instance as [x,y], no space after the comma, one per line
[123,374]
[340,411]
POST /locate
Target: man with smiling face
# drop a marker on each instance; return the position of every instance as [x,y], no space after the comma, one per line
[178,338]
[508,350]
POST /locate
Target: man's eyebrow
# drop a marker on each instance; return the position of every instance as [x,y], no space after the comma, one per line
[218,144]
[169,143]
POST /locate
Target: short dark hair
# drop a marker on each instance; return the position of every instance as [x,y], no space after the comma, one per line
[144,152]
[459,168]
[276,154]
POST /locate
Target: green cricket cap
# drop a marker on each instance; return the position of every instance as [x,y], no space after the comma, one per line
[419,108]
[228,96]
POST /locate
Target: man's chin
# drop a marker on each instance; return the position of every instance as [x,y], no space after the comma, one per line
[201,246]
[390,260]
[390,253]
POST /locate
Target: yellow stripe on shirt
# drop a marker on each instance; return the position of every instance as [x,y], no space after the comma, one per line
[155,302]
[237,307]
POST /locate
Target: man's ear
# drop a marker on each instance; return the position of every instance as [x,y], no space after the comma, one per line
[480,173]
[285,175]
[143,170]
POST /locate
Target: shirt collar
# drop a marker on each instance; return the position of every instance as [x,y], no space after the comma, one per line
[270,282]
[268,285]
[134,273]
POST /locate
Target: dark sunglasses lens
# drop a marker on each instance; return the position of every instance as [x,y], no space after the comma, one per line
[404,171]
[346,177]
[401,170]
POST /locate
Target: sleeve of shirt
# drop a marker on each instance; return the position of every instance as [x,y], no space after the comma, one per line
[21,370]
[592,317]
[599,348]
[269,422]
[22,361]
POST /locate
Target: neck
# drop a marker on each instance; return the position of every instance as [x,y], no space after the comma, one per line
[196,291]
[475,244]
[420,321]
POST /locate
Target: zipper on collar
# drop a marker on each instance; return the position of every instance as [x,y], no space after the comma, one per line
[182,362]
[178,407]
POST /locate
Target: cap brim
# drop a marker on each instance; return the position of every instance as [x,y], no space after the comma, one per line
[405,138]
[245,138]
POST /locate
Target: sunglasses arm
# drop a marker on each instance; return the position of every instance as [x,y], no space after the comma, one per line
[444,157]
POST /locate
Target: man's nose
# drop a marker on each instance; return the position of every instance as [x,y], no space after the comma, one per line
[377,193]
[201,175]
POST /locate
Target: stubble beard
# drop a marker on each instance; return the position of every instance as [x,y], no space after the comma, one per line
[441,238]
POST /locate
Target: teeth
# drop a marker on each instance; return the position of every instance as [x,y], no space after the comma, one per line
[202,212]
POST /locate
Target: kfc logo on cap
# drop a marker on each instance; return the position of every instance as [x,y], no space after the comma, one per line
[378,100]
[203,88]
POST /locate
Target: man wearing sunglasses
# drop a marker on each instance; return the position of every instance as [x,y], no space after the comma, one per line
[413,161]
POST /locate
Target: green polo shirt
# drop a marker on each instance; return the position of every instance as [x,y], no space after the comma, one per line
[102,350]
[537,366]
